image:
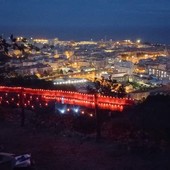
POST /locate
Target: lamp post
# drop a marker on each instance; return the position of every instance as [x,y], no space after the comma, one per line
[98,121]
[22,107]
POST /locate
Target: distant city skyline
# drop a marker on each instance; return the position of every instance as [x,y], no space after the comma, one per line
[84,19]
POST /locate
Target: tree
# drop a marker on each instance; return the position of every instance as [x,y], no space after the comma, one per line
[61,71]
[121,91]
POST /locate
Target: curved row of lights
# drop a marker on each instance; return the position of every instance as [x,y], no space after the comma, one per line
[69,97]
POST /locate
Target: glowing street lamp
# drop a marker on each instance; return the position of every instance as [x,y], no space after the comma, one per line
[138,41]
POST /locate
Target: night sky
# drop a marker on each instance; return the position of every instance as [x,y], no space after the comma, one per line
[83,19]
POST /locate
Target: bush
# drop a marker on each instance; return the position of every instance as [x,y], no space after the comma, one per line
[84,124]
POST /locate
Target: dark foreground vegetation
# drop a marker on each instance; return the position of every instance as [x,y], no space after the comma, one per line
[33,82]
[138,138]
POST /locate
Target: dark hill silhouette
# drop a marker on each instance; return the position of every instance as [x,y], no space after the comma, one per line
[153,115]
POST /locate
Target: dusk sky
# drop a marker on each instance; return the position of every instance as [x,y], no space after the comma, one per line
[116,15]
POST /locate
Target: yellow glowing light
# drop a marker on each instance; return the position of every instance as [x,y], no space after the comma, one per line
[138,41]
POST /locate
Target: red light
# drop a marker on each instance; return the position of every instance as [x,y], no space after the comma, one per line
[104,102]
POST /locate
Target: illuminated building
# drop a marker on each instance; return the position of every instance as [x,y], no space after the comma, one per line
[160,72]
[42,41]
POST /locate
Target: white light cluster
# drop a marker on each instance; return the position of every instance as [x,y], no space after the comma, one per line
[65,110]
[70,82]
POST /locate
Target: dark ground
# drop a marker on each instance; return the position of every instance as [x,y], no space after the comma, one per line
[74,152]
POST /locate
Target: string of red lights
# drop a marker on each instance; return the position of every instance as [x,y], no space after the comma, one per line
[68,97]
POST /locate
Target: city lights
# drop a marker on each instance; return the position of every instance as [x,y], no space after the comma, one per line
[85,84]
